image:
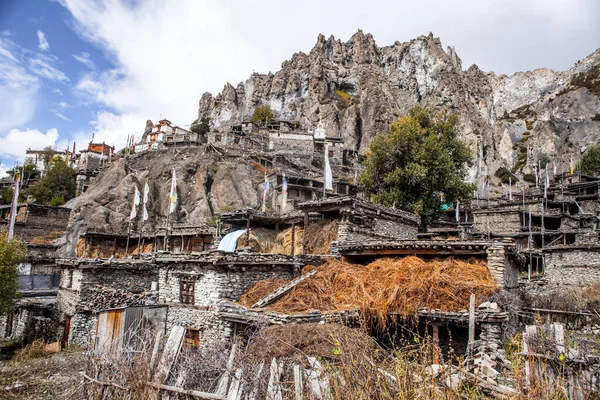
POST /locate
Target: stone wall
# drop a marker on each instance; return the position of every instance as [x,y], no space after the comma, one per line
[213,283]
[374,229]
[213,329]
[572,266]
[485,221]
[84,291]
[502,267]
[295,143]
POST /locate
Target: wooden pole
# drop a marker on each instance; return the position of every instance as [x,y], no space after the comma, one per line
[436,344]
[471,324]
[140,239]
[128,235]
[304,236]
[293,237]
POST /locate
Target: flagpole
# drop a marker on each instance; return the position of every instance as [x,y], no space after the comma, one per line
[128,235]
[13,208]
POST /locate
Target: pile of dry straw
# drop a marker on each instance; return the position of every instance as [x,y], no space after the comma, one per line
[401,285]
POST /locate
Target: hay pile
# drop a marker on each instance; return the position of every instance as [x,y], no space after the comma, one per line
[320,235]
[401,285]
[261,239]
[260,290]
[296,341]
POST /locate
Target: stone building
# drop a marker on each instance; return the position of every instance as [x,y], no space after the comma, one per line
[164,133]
[88,286]
[360,219]
[194,287]
[39,226]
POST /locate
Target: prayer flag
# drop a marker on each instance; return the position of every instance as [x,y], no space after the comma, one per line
[173,196]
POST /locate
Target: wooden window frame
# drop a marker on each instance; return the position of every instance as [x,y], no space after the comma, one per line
[191,339]
[187,287]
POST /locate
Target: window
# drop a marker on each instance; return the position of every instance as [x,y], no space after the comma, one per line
[191,339]
[187,285]
[70,279]
[330,153]
[218,138]
[236,140]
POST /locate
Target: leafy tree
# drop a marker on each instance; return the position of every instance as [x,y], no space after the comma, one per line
[11,255]
[201,127]
[59,181]
[262,115]
[590,161]
[420,165]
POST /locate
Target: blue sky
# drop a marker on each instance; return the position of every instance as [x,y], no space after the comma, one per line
[72,68]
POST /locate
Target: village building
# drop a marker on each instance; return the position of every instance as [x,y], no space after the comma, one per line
[89,162]
[39,227]
[550,227]
[40,159]
[164,133]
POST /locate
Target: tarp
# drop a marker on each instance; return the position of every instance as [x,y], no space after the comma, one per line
[229,241]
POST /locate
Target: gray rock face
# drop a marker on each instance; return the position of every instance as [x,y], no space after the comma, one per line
[359,88]
[206,183]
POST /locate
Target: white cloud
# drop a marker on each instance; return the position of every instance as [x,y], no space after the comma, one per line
[63,105]
[6,53]
[17,141]
[85,59]
[19,91]
[59,115]
[45,70]
[58,92]
[43,45]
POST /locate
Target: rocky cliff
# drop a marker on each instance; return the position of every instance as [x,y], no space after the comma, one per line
[359,88]
[207,183]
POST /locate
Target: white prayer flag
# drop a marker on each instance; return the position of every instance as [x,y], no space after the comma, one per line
[328,175]
[173,196]
[136,202]
[146,191]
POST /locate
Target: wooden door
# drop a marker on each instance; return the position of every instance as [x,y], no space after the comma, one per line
[66,331]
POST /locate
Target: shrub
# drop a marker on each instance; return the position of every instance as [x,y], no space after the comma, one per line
[505,175]
[590,161]
[529,178]
[596,117]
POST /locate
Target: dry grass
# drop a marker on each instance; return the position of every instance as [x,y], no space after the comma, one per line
[36,349]
[401,285]
[260,290]
[320,235]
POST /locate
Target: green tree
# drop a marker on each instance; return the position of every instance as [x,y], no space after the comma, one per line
[58,182]
[420,165]
[590,161]
[201,126]
[11,255]
[262,115]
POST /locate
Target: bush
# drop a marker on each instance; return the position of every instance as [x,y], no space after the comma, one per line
[596,117]
[57,201]
[529,178]
[505,175]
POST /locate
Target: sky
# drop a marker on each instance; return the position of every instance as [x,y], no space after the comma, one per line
[70,69]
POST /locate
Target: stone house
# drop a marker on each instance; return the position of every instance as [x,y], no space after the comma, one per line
[360,220]
[194,287]
[88,286]
[166,134]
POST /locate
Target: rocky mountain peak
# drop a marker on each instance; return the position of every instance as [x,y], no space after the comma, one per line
[358,88]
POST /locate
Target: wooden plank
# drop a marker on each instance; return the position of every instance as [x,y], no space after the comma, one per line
[471,324]
[274,387]
[298,386]
[155,349]
[271,297]
[235,390]
[170,353]
[254,392]
[224,381]
[313,378]
[195,393]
